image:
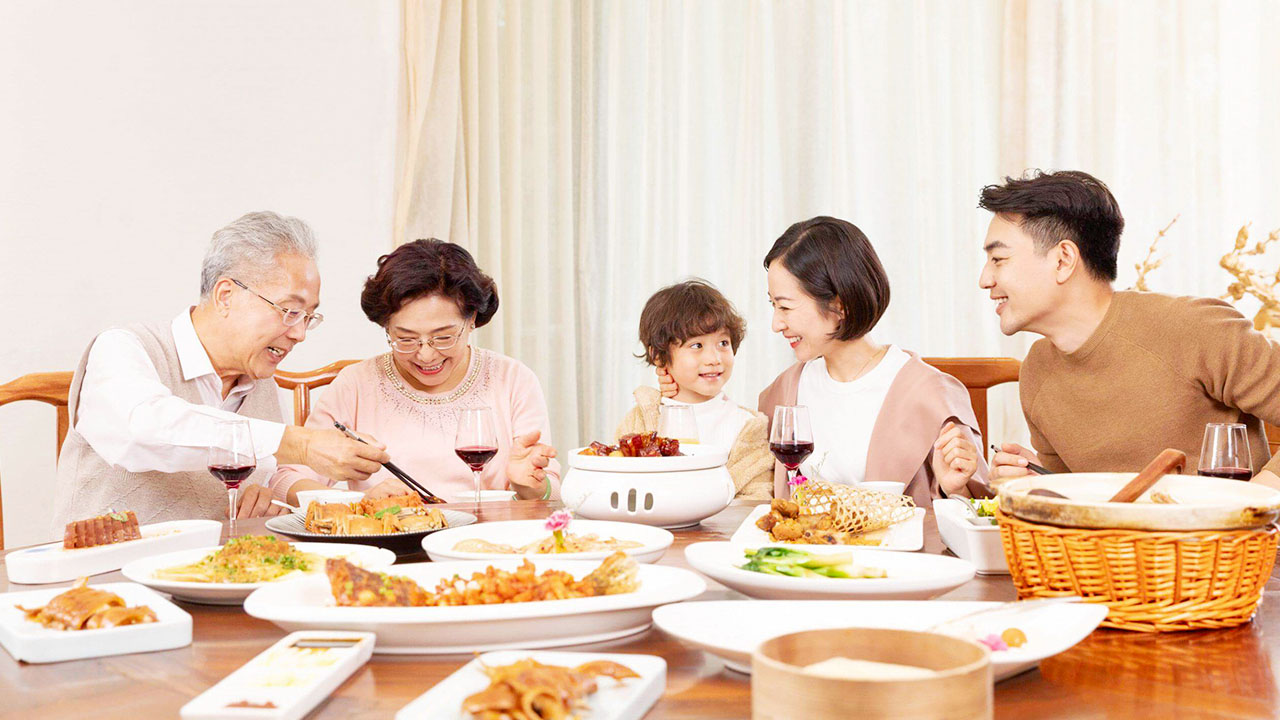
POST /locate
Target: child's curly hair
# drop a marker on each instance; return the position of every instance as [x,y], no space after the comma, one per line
[682,311]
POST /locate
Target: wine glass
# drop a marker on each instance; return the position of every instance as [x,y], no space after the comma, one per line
[477,440]
[1225,452]
[231,460]
[677,421]
[790,437]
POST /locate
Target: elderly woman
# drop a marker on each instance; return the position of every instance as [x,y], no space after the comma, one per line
[429,296]
[145,399]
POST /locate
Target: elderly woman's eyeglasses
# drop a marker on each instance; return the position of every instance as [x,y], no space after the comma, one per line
[290,317]
[438,342]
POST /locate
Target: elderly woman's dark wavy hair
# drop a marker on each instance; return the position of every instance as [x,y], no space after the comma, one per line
[836,266]
[428,267]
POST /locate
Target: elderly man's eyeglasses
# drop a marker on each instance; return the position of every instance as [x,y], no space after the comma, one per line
[438,342]
[290,317]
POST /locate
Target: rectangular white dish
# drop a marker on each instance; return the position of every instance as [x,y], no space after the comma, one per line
[292,679]
[979,544]
[53,563]
[31,642]
[626,700]
[907,535]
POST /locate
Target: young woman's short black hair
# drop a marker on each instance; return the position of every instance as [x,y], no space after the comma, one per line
[1064,205]
[836,265]
[426,267]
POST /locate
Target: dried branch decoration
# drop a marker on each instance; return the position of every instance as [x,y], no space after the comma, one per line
[1250,281]
[1150,263]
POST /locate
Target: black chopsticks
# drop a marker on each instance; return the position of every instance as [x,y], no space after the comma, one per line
[404,476]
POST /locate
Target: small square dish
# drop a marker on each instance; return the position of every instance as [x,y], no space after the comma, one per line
[51,563]
[979,544]
[29,641]
[627,699]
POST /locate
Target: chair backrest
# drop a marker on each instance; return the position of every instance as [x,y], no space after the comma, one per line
[50,387]
[1273,438]
[979,374]
[302,383]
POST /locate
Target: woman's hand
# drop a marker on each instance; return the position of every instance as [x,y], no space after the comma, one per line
[1011,462]
[527,463]
[255,501]
[955,458]
[666,384]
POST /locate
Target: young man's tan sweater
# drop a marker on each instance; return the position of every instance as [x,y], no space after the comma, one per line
[1157,369]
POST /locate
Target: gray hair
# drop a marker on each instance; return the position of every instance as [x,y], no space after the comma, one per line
[249,247]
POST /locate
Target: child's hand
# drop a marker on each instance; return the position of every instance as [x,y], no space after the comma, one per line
[666,383]
[527,463]
[955,457]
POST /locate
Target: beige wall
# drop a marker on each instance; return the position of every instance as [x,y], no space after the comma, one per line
[129,131]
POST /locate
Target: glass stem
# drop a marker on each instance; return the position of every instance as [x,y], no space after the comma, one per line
[475,474]
[231,511]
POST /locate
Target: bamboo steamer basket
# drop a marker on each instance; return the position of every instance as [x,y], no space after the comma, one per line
[781,690]
[1202,562]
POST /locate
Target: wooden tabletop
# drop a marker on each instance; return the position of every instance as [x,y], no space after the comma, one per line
[1112,674]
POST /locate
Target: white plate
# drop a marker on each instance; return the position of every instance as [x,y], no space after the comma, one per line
[464,496]
[906,535]
[53,563]
[979,544]
[733,629]
[695,457]
[31,642]
[143,571]
[911,576]
[653,541]
[629,699]
[306,603]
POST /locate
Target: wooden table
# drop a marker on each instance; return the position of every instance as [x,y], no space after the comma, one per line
[1113,674]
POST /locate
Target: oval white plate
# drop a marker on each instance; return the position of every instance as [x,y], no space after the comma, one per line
[906,535]
[52,563]
[653,541]
[696,457]
[143,571]
[912,576]
[465,496]
[733,629]
[306,603]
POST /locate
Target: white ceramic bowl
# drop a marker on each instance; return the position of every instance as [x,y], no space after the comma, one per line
[669,492]
[306,497]
[889,486]
[979,544]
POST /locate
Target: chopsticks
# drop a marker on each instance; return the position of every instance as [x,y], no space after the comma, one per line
[1030,465]
[402,475]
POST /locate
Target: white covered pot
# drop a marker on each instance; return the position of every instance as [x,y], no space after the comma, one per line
[668,492]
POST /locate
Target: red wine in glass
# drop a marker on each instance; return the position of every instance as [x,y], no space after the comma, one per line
[1230,473]
[475,456]
[791,454]
[231,475]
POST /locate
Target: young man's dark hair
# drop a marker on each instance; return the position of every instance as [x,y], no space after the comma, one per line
[1064,205]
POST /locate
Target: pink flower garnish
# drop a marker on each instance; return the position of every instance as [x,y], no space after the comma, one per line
[559,520]
[797,481]
[994,643]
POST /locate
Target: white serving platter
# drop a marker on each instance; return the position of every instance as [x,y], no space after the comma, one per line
[695,457]
[731,629]
[31,642]
[653,541]
[979,544]
[293,680]
[469,496]
[306,603]
[53,563]
[402,543]
[629,699]
[907,535]
[143,571]
[911,576]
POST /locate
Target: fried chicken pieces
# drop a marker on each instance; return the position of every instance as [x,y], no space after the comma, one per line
[785,523]
[354,586]
[529,690]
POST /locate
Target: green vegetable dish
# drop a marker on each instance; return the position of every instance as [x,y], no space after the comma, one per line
[986,508]
[798,563]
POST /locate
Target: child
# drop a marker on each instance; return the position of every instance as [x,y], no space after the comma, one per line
[692,332]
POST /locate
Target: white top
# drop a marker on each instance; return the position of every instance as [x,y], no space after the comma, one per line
[132,419]
[719,419]
[843,414]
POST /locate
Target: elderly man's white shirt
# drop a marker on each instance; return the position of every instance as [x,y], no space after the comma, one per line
[131,419]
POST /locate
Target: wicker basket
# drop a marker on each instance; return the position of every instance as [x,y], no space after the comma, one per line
[1152,581]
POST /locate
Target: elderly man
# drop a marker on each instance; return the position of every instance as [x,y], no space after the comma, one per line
[146,399]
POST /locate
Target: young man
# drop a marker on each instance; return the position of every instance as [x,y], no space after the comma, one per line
[1118,375]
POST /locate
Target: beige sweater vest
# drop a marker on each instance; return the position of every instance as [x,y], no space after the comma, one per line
[88,486]
[750,462]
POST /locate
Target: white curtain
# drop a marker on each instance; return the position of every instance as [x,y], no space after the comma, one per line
[609,148]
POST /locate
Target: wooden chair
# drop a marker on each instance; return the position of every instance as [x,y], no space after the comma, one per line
[50,387]
[978,375]
[302,383]
[1273,438]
